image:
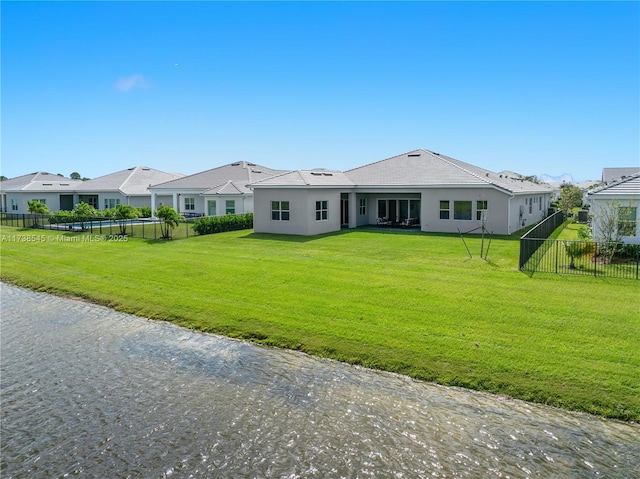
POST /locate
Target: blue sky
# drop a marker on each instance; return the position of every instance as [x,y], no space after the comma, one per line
[540,88]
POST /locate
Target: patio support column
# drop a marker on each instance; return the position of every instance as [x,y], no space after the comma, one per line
[153,204]
[353,210]
[175,202]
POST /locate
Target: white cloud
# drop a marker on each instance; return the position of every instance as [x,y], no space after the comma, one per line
[131,82]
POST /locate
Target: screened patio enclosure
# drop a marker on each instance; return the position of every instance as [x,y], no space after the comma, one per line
[399,211]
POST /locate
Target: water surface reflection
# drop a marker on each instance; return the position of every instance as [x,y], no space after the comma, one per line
[89,392]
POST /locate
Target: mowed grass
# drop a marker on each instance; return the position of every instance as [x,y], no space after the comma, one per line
[408,302]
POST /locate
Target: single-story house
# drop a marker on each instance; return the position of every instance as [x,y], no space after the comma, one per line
[215,192]
[55,191]
[614,210]
[126,187]
[419,189]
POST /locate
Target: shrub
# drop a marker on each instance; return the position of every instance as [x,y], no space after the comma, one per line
[221,224]
[144,212]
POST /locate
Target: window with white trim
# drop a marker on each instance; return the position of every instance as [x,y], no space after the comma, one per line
[230,207]
[111,203]
[444,210]
[189,204]
[322,211]
[481,209]
[279,211]
[363,206]
[462,210]
[43,201]
[627,220]
[14,204]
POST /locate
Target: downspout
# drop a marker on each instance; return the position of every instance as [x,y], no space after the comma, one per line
[511,196]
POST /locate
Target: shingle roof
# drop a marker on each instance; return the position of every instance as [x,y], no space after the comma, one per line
[240,173]
[427,168]
[624,187]
[228,188]
[614,174]
[307,178]
[39,181]
[131,182]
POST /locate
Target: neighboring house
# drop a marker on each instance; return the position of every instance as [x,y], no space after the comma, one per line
[614,210]
[219,191]
[126,187]
[55,191]
[420,188]
[610,175]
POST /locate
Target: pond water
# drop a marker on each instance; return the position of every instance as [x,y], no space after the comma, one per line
[89,392]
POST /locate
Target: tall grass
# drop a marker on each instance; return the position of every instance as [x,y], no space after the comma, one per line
[409,302]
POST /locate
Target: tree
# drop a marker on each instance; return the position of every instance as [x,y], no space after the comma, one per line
[611,221]
[83,213]
[75,176]
[578,249]
[170,219]
[122,213]
[36,208]
[2,178]
[570,197]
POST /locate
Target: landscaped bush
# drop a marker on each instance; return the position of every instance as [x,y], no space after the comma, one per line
[62,216]
[221,224]
[144,212]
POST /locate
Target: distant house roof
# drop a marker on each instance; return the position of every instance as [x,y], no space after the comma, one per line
[614,174]
[629,186]
[306,178]
[226,179]
[130,182]
[39,181]
[427,168]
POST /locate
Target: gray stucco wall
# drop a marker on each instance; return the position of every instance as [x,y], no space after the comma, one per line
[302,211]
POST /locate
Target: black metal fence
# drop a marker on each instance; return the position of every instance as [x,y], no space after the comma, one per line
[612,260]
[529,250]
[540,253]
[146,228]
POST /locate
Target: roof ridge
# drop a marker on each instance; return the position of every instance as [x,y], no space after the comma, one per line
[389,158]
[133,171]
[447,159]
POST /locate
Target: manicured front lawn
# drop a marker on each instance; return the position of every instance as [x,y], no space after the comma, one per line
[403,301]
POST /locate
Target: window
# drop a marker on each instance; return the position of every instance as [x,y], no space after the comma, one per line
[14,205]
[627,221]
[280,211]
[540,203]
[462,210]
[111,203]
[444,210]
[43,201]
[230,207]
[211,207]
[481,210]
[89,199]
[322,213]
[363,206]
[189,204]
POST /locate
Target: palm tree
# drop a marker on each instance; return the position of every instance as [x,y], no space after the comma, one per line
[36,208]
[123,213]
[170,219]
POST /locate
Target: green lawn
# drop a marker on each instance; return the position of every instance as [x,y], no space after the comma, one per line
[403,301]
